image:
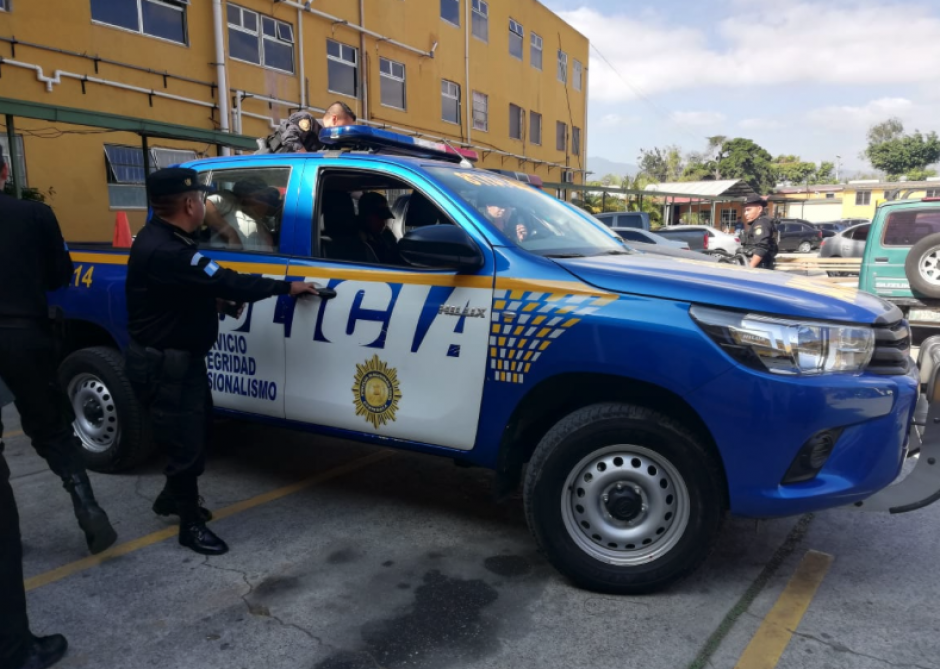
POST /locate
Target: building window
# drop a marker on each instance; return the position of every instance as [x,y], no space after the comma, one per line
[450,101]
[481,20]
[576,140]
[392,83]
[259,39]
[830,196]
[576,70]
[563,67]
[516,121]
[516,34]
[450,11]
[165,19]
[535,51]
[561,136]
[480,111]
[4,5]
[535,128]
[125,165]
[342,69]
[932,192]
[863,198]
[729,216]
[20,166]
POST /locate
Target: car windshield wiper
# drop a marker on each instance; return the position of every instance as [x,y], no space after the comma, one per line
[617,252]
[564,255]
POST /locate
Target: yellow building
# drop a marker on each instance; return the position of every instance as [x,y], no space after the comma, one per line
[81,81]
[853,200]
[861,198]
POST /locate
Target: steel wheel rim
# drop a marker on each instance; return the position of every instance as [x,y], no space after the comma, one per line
[929,266]
[805,247]
[96,420]
[661,523]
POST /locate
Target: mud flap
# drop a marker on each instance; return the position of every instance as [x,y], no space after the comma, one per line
[921,486]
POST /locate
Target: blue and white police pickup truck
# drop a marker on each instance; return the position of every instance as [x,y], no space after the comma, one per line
[636,398]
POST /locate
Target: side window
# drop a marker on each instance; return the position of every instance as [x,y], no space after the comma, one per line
[245,211]
[632,236]
[360,216]
[860,234]
[906,228]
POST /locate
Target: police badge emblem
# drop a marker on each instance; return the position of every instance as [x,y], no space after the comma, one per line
[376,392]
[304,124]
[758,230]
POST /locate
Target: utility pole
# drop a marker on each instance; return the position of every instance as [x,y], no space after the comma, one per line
[839,169]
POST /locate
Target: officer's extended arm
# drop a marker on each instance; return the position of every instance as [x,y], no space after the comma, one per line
[190,270]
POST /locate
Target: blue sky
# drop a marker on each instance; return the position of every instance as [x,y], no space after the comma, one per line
[806,77]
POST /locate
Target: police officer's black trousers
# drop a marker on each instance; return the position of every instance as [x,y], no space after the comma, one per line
[173,386]
[28,364]
[14,625]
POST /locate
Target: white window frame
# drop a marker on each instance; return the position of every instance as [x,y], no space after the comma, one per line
[515,28]
[577,70]
[481,9]
[562,67]
[259,33]
[485,99]
[451,95]
[575,140]
[448,21]
[157,156]
[532,124]
[729,216]
[863,198]
[178,5]
[932,192]
[5,6]
[535,44]
[563,145]
[339,59]
[520,113]
[393,77]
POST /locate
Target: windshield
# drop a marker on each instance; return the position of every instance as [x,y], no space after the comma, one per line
[528,217]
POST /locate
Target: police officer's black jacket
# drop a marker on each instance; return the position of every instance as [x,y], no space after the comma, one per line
[760,238]
[33,258]
[171,290]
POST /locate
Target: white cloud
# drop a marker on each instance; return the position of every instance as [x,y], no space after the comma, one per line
[766,43]
[697,118]
[761,124]
[842,117]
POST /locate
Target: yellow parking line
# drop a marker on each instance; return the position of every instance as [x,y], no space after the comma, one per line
[773,635]
[10,435]
[156,537]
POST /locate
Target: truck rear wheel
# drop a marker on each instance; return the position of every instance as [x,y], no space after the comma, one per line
[108,419]
[922,266]
[622,499]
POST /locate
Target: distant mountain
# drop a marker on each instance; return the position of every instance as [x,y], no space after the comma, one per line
[601,166]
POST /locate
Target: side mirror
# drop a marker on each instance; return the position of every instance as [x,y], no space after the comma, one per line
[445,246]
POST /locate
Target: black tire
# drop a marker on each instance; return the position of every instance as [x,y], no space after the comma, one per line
[924,257]
[551,505]
[804,247]
[101,395]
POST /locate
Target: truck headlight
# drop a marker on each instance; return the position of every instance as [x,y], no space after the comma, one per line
[784,346]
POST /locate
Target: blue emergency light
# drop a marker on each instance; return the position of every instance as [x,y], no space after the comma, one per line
[363,137]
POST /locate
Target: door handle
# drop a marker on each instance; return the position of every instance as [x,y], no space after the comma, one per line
[325,293]
[884,260]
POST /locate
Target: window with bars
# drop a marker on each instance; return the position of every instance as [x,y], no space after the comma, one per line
[342,68]
[535,51]
[450,11]
[576,73]
[516,35]
[535,128]
[863,198]
[576,140]
[481,102]
[392,83]
[20,166]
[729,216]
[125,172]
[450,101]
[165,19]
[481,20]
[563,67]
[259,39]
[516,121]
[561,136]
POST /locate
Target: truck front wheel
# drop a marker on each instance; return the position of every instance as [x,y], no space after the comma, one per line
[622,499]
[108,419]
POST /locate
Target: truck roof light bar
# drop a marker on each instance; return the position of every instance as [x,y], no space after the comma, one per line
[363,137]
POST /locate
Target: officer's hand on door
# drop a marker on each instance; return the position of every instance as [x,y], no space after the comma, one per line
[300,288]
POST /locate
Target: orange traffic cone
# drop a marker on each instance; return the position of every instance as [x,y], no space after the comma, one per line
[122,232]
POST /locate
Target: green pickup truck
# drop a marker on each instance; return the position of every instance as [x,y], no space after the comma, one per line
[902,258]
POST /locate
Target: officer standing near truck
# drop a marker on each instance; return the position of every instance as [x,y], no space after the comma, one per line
[759,240]
[174,296]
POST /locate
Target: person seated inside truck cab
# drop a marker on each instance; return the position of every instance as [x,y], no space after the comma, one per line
[246,217]
[374,215]
[341,238]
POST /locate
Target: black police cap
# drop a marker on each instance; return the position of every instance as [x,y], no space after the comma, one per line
[173,181]
[755,199]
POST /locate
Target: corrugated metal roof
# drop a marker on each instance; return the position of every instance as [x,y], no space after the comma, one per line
[728,187]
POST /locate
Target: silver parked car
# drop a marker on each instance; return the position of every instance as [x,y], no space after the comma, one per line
[849,243]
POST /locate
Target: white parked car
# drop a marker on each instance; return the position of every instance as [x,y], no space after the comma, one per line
[702,238]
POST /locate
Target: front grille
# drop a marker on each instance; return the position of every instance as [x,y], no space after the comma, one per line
[892,354]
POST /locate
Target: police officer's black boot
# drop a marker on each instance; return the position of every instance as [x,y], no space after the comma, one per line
[91,518]
[44,651]
[167,505]
[194,534]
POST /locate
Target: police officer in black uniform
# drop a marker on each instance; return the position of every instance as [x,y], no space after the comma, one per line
[759,241]
[33,259]
[301,132]
[174,295]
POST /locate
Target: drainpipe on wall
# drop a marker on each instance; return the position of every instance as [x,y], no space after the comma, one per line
[217,19]
[300,53]
[363,66]
[466,80]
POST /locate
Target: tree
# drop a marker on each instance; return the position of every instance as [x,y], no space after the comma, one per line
[661,164]
[898,154]
[794,170]
[743,159]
